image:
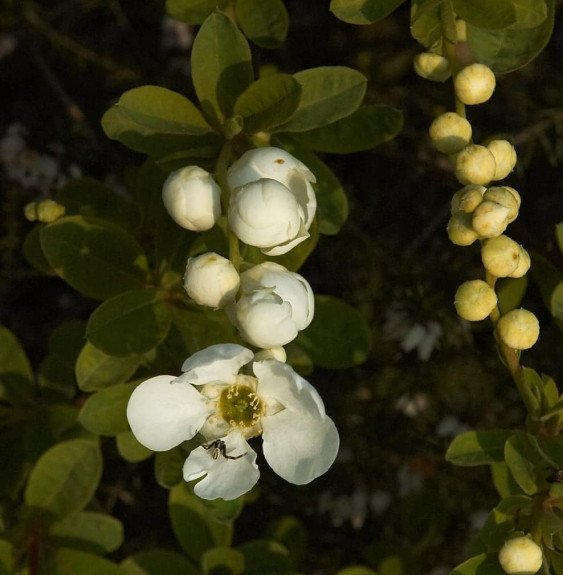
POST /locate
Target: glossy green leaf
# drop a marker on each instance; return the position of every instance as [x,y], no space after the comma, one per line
[88,531]
[104,412]
[364,129]
[329,93]
[530,13]
[33,252]
[501,521]
[425,22]
[264,22]
[221,66]
[478,447]
[484,564]
[486,14]
[131,323]
[510,292]
[264,557]
[506,50]
[268,102]
[363,11]
[95,257]
[190,11]
[16,376]
[222,560]
[158,562]
[72,562]
[504,481]
[338,337]
[130,449]
[65,477]
[522,463]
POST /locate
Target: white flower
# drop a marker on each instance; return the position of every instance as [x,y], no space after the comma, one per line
[227,408]
[275,305]
[192,198]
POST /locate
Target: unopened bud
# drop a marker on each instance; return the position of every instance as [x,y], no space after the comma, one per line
[520,556]
[490,219]
[48,211]
[500,256]
[519,329]
[432,67]
[30,211]
[523,264]
[467,199]
[474,84]
[475,300]
[450,133]
[475,165]
[275,353]
[505,197]
[460,230]
[505,158]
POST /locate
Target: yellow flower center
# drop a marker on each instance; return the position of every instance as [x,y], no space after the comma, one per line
[239,405]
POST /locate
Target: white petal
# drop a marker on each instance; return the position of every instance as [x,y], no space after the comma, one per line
[222,477]
[216,363]
[162,413]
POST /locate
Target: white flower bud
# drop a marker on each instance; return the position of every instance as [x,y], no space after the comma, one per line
[265,214]
[500,256]
[211,280]
[474,84]
[450,133]
[275,353]
[505,197]
[192,198]
[505,158]
[519,329]
[467,199]
[475,165]
[475,300]
[520,556]
[523,264]
[461,30]
[432,67]
[490,219]
[460,230]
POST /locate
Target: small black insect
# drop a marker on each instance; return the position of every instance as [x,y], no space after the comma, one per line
[219,448]
[556,476]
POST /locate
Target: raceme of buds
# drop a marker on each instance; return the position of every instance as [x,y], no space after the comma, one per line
[505,158]
[192,198]
[474,84]
[467,199]
[475,165]
[211,280]
[490,219]
[460,230]
[505,196]
[501,257]
[520,556]
[432,67]
[475,300]
[274,306]
[519,329]
[450,133]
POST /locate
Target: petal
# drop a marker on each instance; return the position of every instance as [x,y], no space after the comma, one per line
[222,477]
[162,413]
[219,362]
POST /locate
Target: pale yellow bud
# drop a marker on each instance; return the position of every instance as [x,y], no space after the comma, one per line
[474,84]
[519,329]
[475,165]
[467,199]
[48,211]
[461,30]
[432,67]
[520,556]
[515,194]
[450,133]
[30,211]
[490,219]
[460,230]
[500,256]
[523,264]
[503,196]
[475,300]
[505,158]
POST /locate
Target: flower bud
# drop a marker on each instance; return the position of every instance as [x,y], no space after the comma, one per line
[475,165]
[475,300]
[500,256]
[490,219]
[275,353]
[505,158]
[211,280]
[432,67]
[474,84]
[505,197]
[520,556]
[265,214]
[515,194]
[450,133]
[48,211]
[523,264]
[460,230]
[519,329]
[467,199]
[30,211]
[192,198]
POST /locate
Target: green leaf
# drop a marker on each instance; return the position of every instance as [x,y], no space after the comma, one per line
[71,562]
[364,129]
[522,463]
[359,570]
[158,562]
[221,66]
[530,13]
[16,376]
[510,292]
[33,252]
[222,560]
[478,447]
[130,449]
[88,531]
[509,49]
[484,564]
[292,534]
[485,14]
[264,557]
[329,93]
[6,557]
[268,102]
[504,481]
[104,412]
[264,22]
[550,281]
[501,521]
[190,11]
[338,337]
[95,257]
[168,466]
[559,236]
[425,22]
[65,477]
[363,11]
[131,323]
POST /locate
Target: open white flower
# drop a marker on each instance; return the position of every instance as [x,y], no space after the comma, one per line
[227,408]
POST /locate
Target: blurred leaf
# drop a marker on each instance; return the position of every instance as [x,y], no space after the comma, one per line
[425,22]
[264,22]
[158,562]
[130,449]
[392,565]
[363,11]
[264,557]
[530,13]
[65,477]
[6,558]
[550,281]
[484,14]
[33,252]
[222,561]
[88,531]
[559,236]
[221,66]
[268,102]
[105,412]
[501,521]
[478,447]
[16,375]
[338,337]
[292,534]
[510,292]
[364,129]
[523,462]
[168,466]
[190,11]
[131,323]
[96,258]
[71,562]
[329,93]
[146,185]
[484,564]
[504,481]
[359,570]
